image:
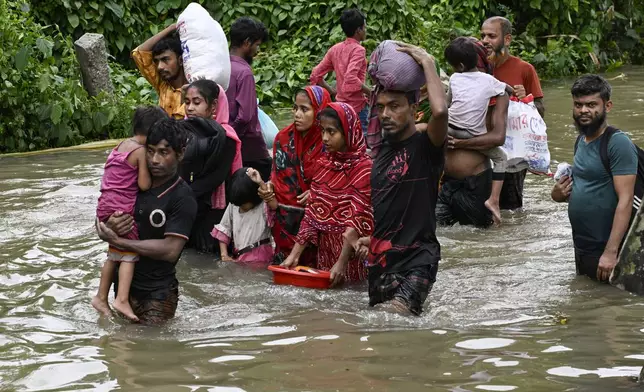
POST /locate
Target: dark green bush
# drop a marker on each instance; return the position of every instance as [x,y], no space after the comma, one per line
[43,101]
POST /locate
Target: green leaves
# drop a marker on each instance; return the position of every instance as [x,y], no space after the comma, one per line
[21,58]
[45,46]
[73,20]
[115,8]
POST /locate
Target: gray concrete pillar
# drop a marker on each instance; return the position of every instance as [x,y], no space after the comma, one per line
[92,56]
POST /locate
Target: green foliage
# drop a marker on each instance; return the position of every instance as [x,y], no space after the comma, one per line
[44,103]
[560,37]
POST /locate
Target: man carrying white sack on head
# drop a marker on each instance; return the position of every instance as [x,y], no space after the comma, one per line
[169,61]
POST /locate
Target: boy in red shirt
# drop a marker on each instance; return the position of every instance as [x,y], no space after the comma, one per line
[348,59]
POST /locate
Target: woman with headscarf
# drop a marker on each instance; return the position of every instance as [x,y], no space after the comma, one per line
[339,210]
[212,155]
[295,152]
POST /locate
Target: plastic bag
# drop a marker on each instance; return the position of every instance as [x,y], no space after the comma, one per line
[526,138]
[269,129]
[205,47]
[564,169]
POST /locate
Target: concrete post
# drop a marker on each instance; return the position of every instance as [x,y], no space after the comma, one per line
[92,56]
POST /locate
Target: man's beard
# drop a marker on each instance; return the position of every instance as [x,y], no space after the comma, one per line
[591,128]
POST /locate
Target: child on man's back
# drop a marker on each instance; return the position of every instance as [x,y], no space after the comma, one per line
[126,172]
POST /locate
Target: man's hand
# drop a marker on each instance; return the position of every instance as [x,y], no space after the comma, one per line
[519,91]
[453,143]
[419,54]
[105,233]
[337,274]
[121,223]
[562,189]
[607,263]
[254,175]
[303,198]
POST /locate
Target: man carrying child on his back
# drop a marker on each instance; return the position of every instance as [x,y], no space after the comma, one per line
[468,97]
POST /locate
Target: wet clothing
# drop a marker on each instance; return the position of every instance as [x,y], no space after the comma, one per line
[511,197]
[249,232]
[409,287]
[340,197]
[463,200]
[295,162]
[205,167]
[404,183]
[593,200]
[119,188]
[586,264]
[157,308]
[169,98]
[348,59]
[167,210]
[242,99]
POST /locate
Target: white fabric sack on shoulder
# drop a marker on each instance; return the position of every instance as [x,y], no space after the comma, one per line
[526,138]
[205,47]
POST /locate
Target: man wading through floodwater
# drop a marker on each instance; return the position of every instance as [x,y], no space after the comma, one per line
[164,215]
[599,200]
[404,251]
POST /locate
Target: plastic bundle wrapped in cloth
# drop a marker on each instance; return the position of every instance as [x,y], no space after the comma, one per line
[390,69]
[564,169]
[205,47]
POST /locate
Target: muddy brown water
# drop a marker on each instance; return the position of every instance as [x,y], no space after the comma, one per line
[506,314]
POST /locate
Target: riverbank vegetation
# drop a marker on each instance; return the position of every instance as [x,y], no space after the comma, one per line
[44,104]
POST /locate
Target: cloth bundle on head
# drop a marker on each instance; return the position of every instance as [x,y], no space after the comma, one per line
[390,69]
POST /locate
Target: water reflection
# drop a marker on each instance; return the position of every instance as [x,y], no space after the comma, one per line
[493,323]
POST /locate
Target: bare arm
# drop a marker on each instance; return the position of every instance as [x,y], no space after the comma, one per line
[538,103]
[437,125]
[168,249]
[271,201]
[366,90]
[149,44]
[144,179]
[624,187]
[494,137]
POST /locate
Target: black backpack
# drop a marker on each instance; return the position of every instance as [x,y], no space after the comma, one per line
[603,153]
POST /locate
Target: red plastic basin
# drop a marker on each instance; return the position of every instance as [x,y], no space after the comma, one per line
[301,276]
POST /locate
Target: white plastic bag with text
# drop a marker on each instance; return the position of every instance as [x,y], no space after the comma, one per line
[526,138]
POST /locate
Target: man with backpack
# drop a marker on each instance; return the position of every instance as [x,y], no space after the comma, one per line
[600,192]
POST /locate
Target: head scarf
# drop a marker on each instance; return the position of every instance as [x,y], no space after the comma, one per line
[221,116]
[295,155]
[341,188]
[482,63]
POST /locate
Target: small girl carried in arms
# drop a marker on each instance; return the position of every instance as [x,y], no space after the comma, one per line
[247,221]
[125,173]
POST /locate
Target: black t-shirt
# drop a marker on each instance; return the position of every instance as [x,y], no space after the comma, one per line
[159,212]
[404,189]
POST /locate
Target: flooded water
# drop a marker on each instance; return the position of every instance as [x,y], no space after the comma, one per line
[507,312]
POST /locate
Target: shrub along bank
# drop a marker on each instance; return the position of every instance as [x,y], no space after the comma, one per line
[44,104]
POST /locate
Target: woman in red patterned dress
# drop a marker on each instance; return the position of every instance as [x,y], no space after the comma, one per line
[339,210]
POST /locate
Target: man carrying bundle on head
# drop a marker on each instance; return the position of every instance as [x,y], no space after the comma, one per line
[403,250]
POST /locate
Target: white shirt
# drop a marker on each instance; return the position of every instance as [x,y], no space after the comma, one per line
[471,93]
